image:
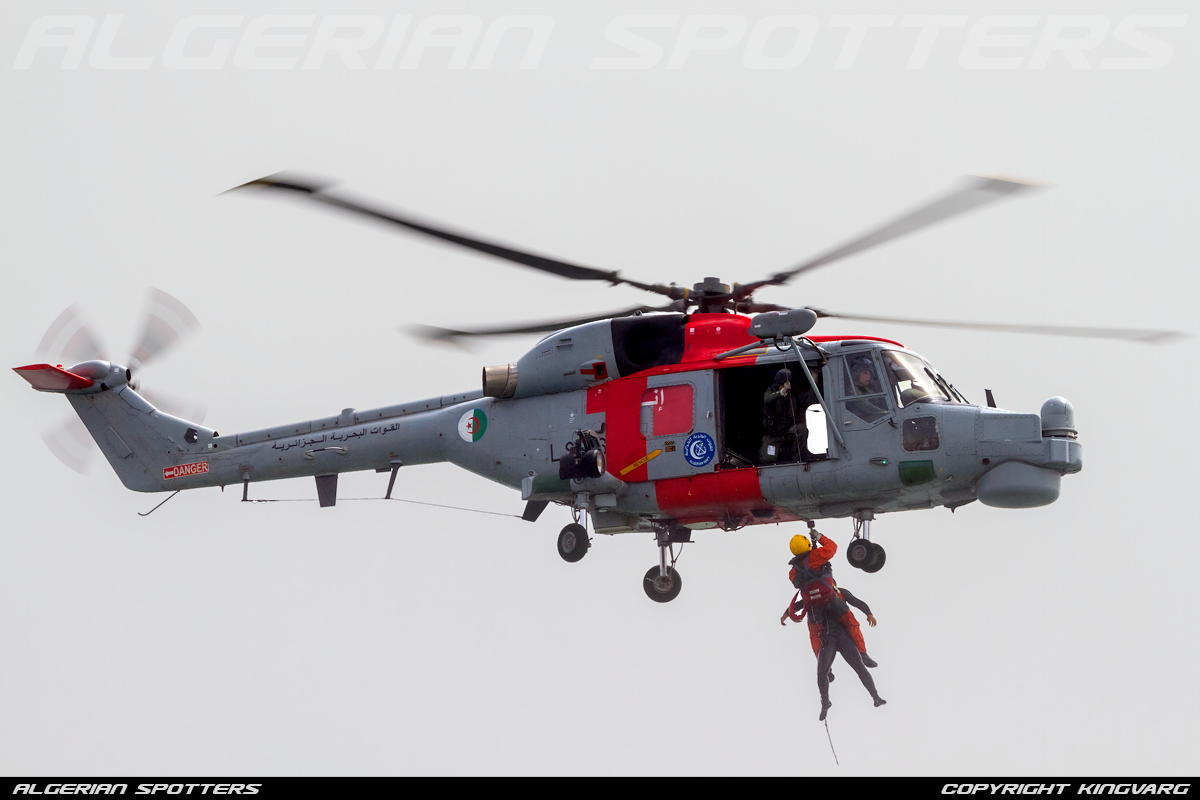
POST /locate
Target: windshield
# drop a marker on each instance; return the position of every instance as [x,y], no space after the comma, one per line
[915,381]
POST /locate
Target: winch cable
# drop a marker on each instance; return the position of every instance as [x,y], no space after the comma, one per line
[439,505]
[835,758]
[400,499]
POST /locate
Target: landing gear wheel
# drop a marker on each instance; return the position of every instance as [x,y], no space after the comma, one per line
[878,557]
[859,553]
[662,589]
[573,542]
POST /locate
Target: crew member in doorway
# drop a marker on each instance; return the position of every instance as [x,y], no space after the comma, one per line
[785,435]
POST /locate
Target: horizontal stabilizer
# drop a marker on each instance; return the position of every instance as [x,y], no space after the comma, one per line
[47,378]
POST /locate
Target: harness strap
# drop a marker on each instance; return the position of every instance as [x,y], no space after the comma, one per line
[810,576]
[792,609]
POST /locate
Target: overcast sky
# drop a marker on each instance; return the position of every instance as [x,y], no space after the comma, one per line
[220,638]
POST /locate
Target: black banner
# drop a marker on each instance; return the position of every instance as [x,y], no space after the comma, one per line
[294,786]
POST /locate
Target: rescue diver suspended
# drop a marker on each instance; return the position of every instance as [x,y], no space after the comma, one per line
[837,630]
[841,610]
[785,434]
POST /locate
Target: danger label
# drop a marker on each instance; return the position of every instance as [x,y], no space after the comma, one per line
[183,470]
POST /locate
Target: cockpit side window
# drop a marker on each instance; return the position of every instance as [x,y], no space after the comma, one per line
[864,393]
[912,380]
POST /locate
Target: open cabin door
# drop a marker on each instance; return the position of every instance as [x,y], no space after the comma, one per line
[758,431]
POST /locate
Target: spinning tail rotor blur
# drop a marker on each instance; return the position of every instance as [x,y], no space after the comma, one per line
[71,339]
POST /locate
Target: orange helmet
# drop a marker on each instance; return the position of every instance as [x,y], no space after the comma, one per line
[800,545]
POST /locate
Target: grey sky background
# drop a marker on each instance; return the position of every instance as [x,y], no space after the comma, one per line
[371,638]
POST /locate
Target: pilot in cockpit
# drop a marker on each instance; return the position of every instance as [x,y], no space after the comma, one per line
[862,373]
[864,384]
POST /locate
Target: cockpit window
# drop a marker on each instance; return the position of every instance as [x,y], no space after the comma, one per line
[915,381]
[864,393]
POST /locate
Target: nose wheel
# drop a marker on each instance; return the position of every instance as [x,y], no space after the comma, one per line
[862,553]
[878,557]
[859,553]
[867,556]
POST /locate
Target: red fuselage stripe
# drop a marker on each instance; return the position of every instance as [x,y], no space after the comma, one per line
[713,494]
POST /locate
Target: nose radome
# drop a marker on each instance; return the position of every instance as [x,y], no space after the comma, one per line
[1017,485]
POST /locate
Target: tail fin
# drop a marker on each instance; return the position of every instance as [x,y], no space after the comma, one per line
[139,441]
[46,378]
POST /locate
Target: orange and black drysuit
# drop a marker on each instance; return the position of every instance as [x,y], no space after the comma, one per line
[832,627]
[841,612]
[817,563]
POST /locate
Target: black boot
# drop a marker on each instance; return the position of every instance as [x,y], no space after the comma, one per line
[869,662]
[879,701]
[825,704]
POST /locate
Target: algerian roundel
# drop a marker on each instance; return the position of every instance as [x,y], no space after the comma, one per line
[473,425]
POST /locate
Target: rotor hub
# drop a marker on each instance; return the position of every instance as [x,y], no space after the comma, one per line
[710,287]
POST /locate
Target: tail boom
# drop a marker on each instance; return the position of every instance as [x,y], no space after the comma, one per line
[152,451]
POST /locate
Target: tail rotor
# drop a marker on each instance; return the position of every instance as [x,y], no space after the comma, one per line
[71,444]
[72,339]
[166,321]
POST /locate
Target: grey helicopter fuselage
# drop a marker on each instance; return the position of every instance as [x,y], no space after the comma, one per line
[679,428]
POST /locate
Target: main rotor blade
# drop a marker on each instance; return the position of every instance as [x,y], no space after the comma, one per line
[1126,334]
[977,192]
[317,192]
[435,334]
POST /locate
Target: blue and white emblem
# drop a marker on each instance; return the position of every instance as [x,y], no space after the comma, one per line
[699,449]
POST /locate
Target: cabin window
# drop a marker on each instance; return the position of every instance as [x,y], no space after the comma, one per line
[667,410]
[920,434]
[864,393]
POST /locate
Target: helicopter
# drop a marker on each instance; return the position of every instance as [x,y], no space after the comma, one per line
[648,419]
